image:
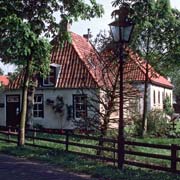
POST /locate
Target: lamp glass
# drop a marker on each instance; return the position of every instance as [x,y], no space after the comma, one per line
[121,33]
[126,33]
[115,33]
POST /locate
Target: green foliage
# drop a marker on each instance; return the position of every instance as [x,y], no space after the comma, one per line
[136,128]
[18,44]
[175,76]
[22,24]
[156,32]
[167,106]
[157,123]
[157,23]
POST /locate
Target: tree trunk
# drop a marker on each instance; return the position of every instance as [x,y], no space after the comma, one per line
[30,99]
[144,117]
[21,135]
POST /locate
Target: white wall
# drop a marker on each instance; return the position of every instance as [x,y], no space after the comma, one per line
[160,94]
[158,104]
[54,120]
[51,119]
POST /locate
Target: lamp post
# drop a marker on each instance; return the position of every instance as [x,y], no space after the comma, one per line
[121,30]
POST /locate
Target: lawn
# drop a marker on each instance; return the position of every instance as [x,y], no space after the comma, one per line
[90,151]
[76,163]
[71,162]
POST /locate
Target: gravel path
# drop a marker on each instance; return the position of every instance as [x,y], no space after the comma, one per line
[13,168]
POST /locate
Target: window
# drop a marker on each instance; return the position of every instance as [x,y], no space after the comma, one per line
[50,80]
[38,110]
[13,98]
[163,97]
[80,106]
[154,97]
[54,74]
[159,97]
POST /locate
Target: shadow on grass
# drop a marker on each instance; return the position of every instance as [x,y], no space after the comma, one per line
[79,164]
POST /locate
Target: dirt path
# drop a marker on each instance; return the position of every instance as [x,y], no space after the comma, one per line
[13,168]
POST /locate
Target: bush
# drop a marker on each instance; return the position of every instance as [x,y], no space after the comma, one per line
[167,106]
[135,128]
[157,123]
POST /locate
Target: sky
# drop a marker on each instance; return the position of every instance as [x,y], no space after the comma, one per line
[98,24]
[95,25]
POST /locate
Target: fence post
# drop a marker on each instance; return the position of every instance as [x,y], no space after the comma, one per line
[173,157]
[114,154]
[67,140]
[34,135]
[9,131]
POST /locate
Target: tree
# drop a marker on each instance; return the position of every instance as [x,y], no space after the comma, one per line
[156,37]
[175,77]
[103,100]
[22,24]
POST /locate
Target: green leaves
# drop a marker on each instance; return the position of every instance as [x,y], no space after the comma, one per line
[156,32]
[22,23]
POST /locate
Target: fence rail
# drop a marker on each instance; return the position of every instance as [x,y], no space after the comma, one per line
[108,152]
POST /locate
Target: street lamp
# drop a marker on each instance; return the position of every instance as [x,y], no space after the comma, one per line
[121,30]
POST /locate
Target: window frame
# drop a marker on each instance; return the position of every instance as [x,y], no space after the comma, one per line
[81,104]
[154,97]
[159,97]
[51,78]
[40,106]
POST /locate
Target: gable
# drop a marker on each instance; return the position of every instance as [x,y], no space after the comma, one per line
[135,71]
[72,58]
[74,73]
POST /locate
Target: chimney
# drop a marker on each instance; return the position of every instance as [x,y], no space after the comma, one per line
[68,26]
[88,35]
[9,74]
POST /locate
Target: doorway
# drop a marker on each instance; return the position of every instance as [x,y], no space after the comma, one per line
[12,110]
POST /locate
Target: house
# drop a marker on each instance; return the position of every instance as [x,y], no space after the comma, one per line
[76,74]
[58,98]
[158,87]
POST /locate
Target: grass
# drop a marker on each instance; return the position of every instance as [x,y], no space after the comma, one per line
[164,163]
[97,169]
[162,141]
[77,164]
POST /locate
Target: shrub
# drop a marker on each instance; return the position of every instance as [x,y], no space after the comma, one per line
[167,106]
[157,123]
[135,128]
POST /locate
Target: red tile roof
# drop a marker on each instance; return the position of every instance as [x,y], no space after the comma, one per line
[136,70]
[78,62]
[81,66]
[4,80]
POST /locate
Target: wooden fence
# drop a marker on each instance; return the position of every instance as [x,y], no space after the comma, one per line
[89,146]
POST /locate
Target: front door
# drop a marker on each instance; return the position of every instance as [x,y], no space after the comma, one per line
[12,110]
